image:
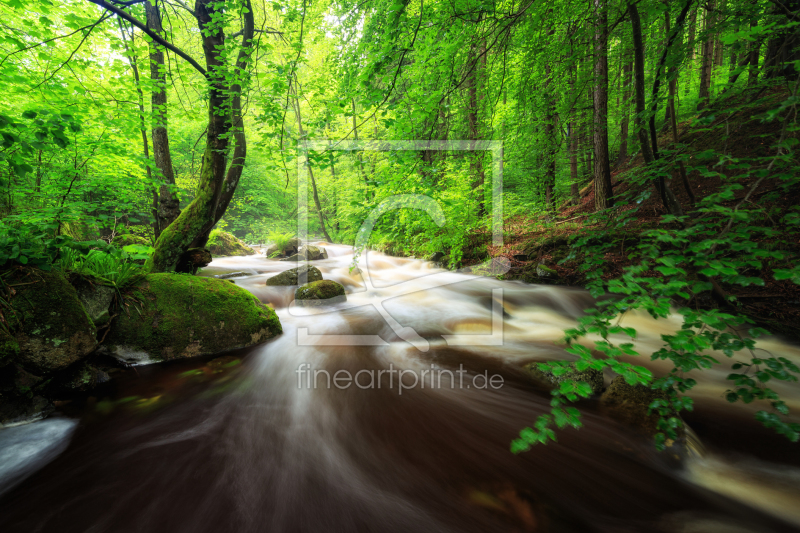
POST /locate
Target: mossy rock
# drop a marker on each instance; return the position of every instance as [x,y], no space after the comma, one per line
[121,241]
[291,276]
[9,347]
[312,253]
[51,326]
[322,292]
[96,300]
[535,247]
[179,316]
[295,257]
[224,244]
[544,271]
[591,376]
[629,404]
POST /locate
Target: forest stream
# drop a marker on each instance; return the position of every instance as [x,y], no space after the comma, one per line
[218,446]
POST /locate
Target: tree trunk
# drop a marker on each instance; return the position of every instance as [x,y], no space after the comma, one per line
[754,50]
[477,65]
[168,203]
[603,194]
[627,72]
[550,135]
[314,192]
[192,226]
[145,144]
[707,57]
[782,48]
[691,45]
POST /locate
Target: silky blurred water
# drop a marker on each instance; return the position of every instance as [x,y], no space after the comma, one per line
[254,448]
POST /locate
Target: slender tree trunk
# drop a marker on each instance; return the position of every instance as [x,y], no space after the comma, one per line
[690,52]
[673,82]
[550,135]
[627,72]
[314,192]
[168,203]
[603,194]
[145,144]
[707,56]
[473,102]
[754,50]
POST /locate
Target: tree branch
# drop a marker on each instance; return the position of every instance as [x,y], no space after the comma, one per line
[157,38]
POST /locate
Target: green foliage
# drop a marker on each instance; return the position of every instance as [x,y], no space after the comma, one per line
[685,261]
[116,268]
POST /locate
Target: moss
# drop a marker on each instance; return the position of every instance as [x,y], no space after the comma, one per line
[290,277]
[50,324]
[127,240]
[324,289]
[591,376]
[184,316]
[221,243]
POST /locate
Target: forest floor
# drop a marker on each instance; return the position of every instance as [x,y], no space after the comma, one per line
[739,134]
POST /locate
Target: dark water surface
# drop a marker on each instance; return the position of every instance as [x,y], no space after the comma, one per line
[195,446]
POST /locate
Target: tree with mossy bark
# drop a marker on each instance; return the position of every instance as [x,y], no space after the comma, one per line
[225,81]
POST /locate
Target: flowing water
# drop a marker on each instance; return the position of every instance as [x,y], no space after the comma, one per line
[199,446]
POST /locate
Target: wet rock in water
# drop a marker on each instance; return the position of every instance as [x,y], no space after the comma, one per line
[322,292]
[51,328]
[224,244]
[293,276]
[435,257]
[23,410]
[629,404]
[292,246]
[96,300]
[183,316]
[271,250]
[312,253]
[78,379]
[192,260]
[230,275]
[295,257]
[591,376]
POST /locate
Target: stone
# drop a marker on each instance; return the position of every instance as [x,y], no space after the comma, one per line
[126,240]
[322,292]
[230,275]
[224,244]
[50,325]
[291,276]
[292,246]
[78,379]
[435,257]
[629,404]
[295,258]
[96,300]
[18,411]
[271,250]
[181,316]
[591,376]
[543,271]
[311,252]
[324,253]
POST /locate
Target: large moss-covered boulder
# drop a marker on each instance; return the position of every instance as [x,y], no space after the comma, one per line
[224,244]
[291,276]
[591,376]
[181,316]
[51,327]
[322,292]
